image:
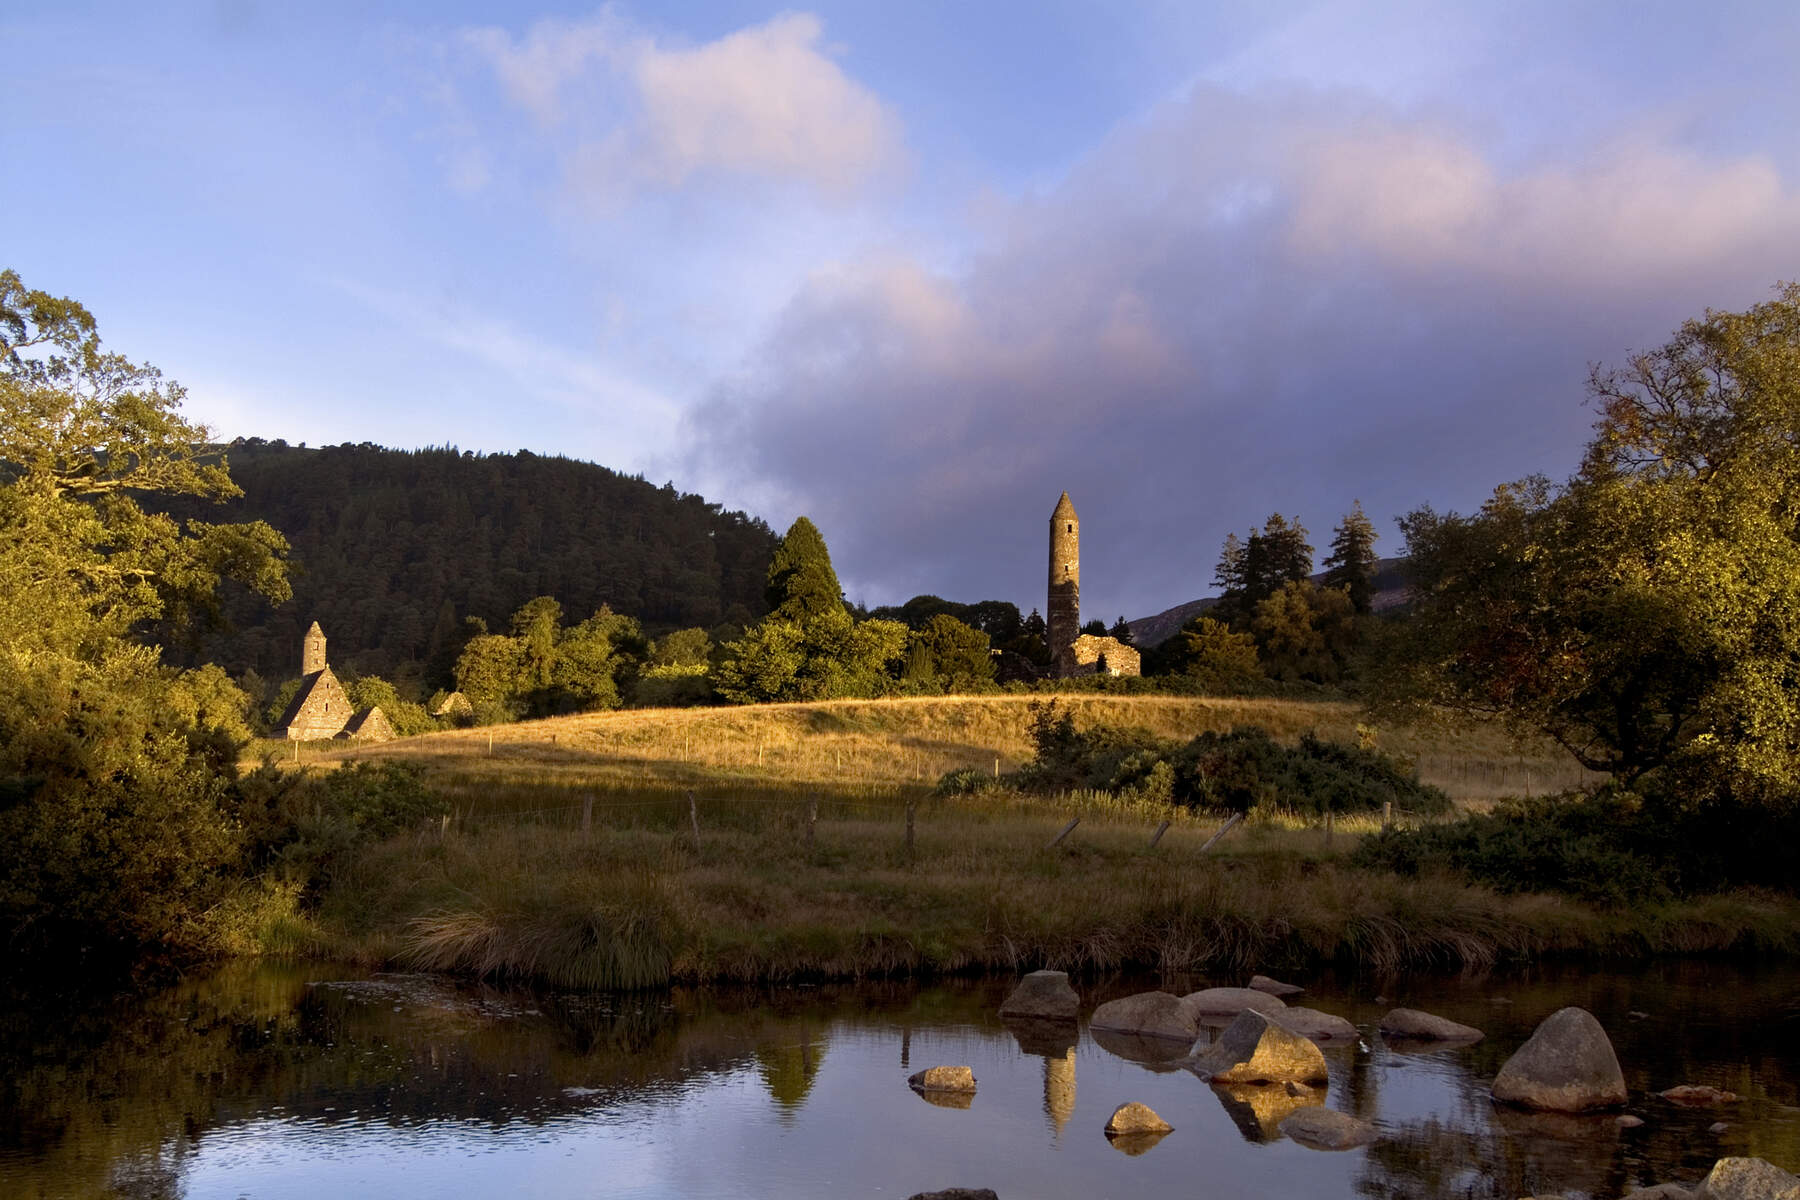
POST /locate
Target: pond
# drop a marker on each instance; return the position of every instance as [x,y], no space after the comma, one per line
[274,1081]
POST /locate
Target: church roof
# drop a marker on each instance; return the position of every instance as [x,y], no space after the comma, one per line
[308,685]
[1064,510]
[370,723]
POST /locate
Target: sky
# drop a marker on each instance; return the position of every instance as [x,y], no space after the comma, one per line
[914,269]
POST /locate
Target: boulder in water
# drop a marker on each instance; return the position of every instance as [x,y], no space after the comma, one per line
[1133,1118]
[1747,1179]
[1311,1023]
[1567,1065]
[1147,1014]
[1255,1048]
[1411,1024]
[1321,1128]
[1275,987]
[1229,1002]
[1697,1096]
[943,1079]
[1043,995]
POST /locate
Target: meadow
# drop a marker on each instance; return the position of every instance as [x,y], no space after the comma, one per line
[805,841]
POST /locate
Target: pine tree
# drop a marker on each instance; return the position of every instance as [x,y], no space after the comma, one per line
[1122,630]
[803,587]
[1351,564]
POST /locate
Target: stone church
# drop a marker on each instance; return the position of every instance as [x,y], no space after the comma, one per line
[1071,651]
[321,708]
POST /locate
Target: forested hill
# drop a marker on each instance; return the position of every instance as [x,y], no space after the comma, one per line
[393,548]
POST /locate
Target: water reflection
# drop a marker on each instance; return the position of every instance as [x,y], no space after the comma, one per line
[290,1081]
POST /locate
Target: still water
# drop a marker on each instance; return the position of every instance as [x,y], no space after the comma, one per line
[308,1082]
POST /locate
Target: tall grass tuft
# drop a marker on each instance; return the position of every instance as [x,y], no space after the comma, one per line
[574,941]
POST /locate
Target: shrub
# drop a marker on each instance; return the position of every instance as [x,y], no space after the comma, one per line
[1612,846]
[1235,770]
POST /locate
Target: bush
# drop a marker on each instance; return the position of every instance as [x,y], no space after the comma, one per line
[1613,847]
[1236,770]
[964,781]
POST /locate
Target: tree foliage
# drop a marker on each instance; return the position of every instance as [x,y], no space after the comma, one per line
[1254,568]
[1351,563]
[400,547]
[117,773]
[543,668]
[1645,614]
[803,587]
[1215,656]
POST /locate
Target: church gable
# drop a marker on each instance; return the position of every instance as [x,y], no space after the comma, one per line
[320,709]
[369,725]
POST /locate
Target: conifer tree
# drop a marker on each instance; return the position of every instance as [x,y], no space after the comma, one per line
[1351,565]
[803,587]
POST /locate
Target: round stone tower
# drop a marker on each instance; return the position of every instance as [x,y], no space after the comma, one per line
[1062,615]
[312,652]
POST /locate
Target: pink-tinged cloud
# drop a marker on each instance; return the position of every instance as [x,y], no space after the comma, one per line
[1239,305]
[633,112]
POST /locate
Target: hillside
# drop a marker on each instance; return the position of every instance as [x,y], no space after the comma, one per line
[1390,593]
[393,548]
[880,748]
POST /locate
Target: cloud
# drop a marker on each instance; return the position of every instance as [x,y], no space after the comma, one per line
[767,101]
[1241,304]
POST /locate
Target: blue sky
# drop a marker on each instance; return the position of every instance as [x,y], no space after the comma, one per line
[913,269]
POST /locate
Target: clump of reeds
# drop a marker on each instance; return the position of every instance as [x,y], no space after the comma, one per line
[578,943]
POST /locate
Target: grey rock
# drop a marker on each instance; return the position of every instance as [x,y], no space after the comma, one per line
[1416,1025]
[1153,1053]
[1322,1128]
[1255,1048]
[943,1079]
[1628,1121]
[1662,1191]
[1747,1179]
[1147,1014]
[1567,1065]
[1229,1002]
[1311,1023]
[957,1194]
[1275,987]
[1043,994]
[1134,1118]
[1697,1097]
[1717,1127]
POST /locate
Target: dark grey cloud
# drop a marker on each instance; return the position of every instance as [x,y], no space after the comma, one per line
[1240,305]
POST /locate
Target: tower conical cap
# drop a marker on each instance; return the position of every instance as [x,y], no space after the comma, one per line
[1064,510]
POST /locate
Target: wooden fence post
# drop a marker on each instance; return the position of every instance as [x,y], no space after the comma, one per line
[1387,814]
[1067,830]
[490,743]
[1222,831]
[996,768]
[694,818]
[1157,836]
[1328,823]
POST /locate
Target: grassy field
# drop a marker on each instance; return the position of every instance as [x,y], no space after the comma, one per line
[572,857]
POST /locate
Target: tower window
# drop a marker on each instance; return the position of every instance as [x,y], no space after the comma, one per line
[1071,528]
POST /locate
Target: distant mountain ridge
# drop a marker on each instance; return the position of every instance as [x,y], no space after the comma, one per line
[1390,592]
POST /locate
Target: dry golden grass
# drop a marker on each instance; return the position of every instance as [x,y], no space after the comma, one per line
[874,749]
[571,857]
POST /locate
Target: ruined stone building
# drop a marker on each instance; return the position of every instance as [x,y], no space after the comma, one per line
[321,708]
[1071,651]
